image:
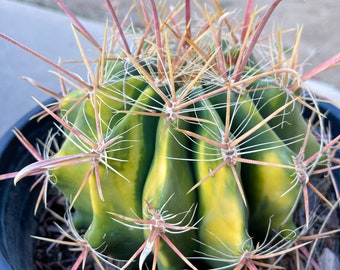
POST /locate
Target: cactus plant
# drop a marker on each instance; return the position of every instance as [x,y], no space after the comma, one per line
[179,147]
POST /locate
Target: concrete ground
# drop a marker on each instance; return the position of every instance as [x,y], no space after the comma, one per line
[42,26]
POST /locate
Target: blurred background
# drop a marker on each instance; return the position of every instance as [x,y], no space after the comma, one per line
[320,20]
[42,26]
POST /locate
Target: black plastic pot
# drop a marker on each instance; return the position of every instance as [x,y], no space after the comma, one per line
[333,122]
[17,220]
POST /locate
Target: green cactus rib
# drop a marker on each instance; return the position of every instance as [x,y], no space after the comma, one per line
[223,228]
[166,186]
[122,185]
[271,190]
[290,126]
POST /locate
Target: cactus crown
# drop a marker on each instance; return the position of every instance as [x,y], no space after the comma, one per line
[185,143]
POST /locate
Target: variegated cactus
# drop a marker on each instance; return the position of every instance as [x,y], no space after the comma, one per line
[188,146]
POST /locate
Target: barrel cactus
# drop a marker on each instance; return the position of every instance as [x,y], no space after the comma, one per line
[186,144]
